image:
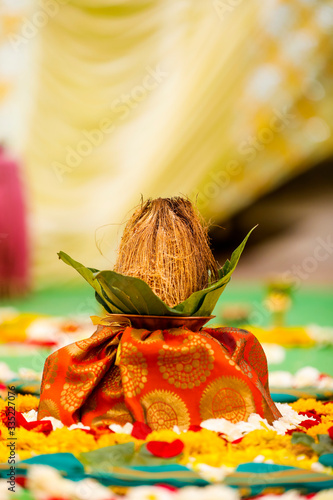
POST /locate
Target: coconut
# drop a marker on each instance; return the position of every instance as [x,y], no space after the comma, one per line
[166,244]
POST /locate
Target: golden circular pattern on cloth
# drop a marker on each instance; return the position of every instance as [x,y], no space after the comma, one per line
[165,409]
[227,397]
[96,339]
[111,384]
[78,354]
[211,338]
[50,371]
[145,336]
[72,349]
[78,383]
[186,366]
[134,369]
[176,332]
[118,414]
[257,359]
[47,408]
[246,368]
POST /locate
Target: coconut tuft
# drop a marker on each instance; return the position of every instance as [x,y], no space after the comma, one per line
[166,244]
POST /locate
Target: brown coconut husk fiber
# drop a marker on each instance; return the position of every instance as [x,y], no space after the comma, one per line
[165,243]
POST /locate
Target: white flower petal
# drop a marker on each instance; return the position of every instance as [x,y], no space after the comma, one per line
[78,426]
[125,429]
[30,416]
[56,424]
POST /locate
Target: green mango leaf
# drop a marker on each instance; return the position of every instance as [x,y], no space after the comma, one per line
[324,445]
[225,269]
[88,274]
[202,303]
[123,303]
[301,438]
[120,294]
[104,459]
[121,455]
[103,303]
[134,293]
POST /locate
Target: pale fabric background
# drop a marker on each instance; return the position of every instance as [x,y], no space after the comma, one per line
[108,100]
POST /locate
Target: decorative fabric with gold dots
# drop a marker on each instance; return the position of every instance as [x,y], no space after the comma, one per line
[164,378]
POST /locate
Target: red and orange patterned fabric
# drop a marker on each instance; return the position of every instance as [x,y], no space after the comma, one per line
[163,377]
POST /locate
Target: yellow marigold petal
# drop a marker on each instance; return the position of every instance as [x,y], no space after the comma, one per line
[26,402]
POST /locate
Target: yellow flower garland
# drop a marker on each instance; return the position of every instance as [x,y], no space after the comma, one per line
[203,447]
[313,404]
[23,403]
[286,336]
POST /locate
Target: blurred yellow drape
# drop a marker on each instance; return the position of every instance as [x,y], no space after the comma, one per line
[220,99]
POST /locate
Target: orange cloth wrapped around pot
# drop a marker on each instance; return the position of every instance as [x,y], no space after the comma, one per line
[163,378]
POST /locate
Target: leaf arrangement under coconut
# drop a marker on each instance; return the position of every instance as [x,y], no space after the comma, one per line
[165,266]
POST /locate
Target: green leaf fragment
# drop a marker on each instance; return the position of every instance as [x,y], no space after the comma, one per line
[301,438]
[120,294]
[104,459]
[322,447]
[121,455]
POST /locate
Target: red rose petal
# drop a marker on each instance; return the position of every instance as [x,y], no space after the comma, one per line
[13,418]
[290,432]
[307,424]
[236,441]
[44,426]
[166,486]
[140,430]
[311,414]
[21,481]
[163,449]
[195,428]
[20,420]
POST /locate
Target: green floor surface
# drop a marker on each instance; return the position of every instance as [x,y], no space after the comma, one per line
[310,305]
